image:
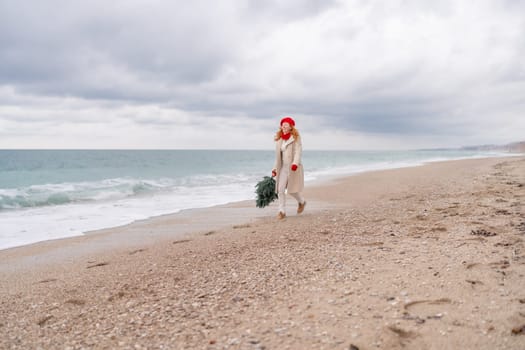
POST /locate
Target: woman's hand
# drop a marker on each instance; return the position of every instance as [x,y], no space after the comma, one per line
[274,173]
[294,167]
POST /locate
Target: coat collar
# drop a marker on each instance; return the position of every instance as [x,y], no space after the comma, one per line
[287,142]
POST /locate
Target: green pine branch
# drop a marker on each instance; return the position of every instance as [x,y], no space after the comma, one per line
[265,191]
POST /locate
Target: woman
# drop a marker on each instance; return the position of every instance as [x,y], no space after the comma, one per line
[288,169]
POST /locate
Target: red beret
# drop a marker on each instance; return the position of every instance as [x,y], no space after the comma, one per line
[288,120]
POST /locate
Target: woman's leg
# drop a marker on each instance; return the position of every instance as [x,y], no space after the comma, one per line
[300,200]
[283,182]
[298,196]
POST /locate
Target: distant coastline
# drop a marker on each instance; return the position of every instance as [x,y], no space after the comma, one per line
[513,147]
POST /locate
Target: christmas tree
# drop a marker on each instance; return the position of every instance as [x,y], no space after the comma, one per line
[265,190]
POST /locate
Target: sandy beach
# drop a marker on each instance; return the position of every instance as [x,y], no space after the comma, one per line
[429,257]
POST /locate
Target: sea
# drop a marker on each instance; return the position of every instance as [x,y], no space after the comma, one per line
[50,194]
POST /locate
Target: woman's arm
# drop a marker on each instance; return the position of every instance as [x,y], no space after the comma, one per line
[298,151]
[277,156]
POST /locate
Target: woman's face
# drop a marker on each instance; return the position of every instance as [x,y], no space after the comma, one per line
[286,128]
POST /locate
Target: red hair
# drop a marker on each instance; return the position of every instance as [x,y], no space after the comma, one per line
[293,131]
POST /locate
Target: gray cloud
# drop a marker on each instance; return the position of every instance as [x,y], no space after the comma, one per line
[79,51]
[275,11]
[396,68]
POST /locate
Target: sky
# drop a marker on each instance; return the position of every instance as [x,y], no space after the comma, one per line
[131,74]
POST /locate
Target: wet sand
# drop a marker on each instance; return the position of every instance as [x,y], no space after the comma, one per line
[429,257]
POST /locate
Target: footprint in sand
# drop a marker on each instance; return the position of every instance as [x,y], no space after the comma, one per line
[48,280]
[119,295]
[242,226]
[521,227]
[503,212]
[485,276]
[483,233]
[42,321]
[518,330]
[428,309]
[502,264]
[401,332]
[474,282]
[396,337]
[104,263]
[77,302]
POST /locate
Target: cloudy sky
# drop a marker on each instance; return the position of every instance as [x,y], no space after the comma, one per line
[220,74]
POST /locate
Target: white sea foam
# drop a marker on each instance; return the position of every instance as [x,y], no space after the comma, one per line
[36,224]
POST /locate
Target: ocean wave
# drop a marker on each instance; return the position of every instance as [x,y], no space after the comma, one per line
[66,193]
[108,190]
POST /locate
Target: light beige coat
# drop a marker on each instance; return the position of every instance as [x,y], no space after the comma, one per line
[291,155]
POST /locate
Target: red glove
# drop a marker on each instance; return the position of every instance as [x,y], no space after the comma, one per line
[274,173]
[294,167]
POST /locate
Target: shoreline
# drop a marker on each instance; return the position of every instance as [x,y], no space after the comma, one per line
[424,257]
[185,222]
[326,179]
[186,214]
